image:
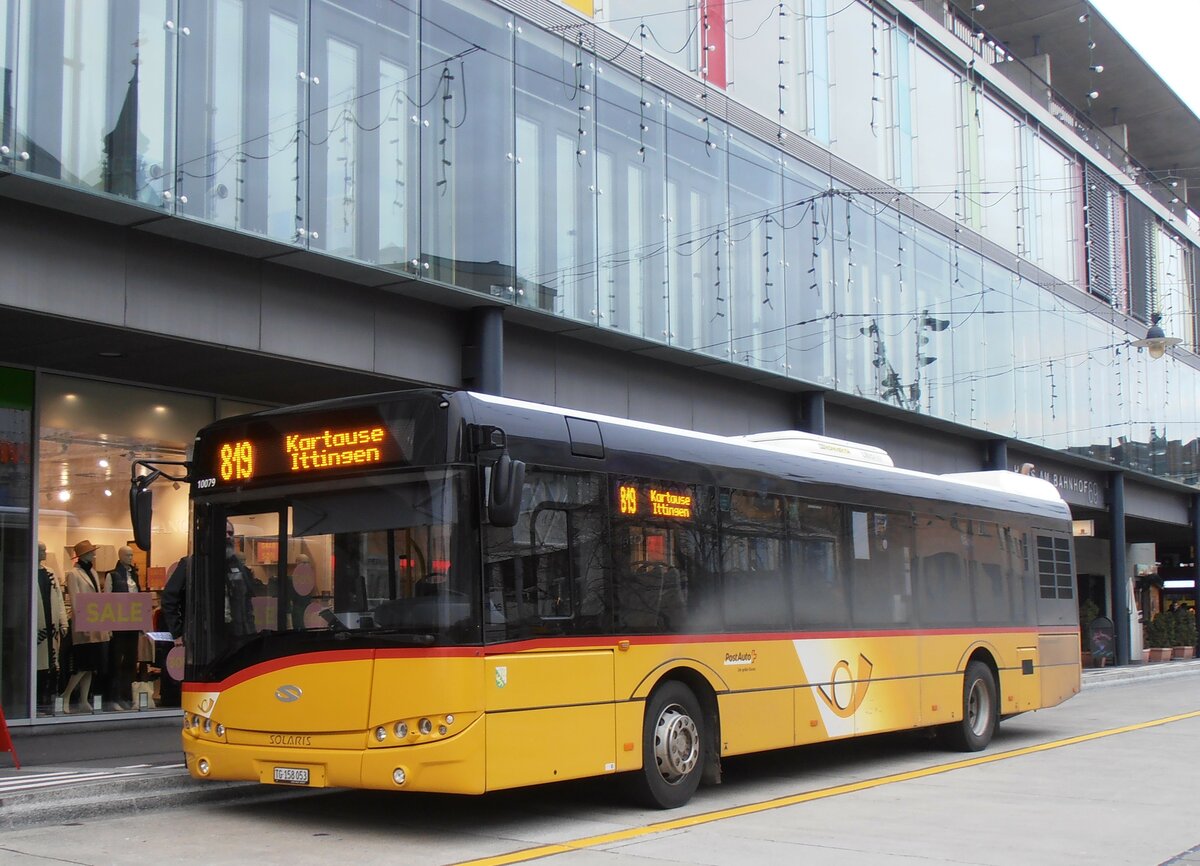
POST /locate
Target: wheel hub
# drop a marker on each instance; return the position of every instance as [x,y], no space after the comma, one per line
[676,744]
[979,709]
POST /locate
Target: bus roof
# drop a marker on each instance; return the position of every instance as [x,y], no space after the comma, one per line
[799,456]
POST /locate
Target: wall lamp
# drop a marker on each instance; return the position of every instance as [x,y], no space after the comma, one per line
[1155,341]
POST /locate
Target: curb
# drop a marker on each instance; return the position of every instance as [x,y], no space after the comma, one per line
[1101,678]
[132,795]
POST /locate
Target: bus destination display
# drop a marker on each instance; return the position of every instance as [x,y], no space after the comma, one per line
[651,500]
[257,453]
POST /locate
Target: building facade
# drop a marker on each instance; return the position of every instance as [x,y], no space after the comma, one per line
[880,221]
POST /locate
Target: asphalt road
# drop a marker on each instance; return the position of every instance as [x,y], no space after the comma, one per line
[1109,777]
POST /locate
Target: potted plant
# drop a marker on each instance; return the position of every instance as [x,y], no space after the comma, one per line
[1158,637]
[1185,634]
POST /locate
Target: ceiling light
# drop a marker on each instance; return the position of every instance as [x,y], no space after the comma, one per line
[103,464]
[1094,94]
[64,496]
[1099,67]
[107,492]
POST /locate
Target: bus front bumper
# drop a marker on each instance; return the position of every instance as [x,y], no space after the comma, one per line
[454,765]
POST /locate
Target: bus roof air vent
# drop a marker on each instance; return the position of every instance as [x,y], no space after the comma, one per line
[810,444]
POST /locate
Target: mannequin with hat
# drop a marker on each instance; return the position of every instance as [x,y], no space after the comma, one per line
[89,653]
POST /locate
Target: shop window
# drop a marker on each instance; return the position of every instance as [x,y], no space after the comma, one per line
[90,436]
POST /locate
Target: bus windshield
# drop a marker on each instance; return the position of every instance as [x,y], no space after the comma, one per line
[378,562]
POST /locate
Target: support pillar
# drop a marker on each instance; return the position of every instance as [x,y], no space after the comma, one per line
[810,412]
[1195,519]
[997,455]
[483,351]
[1118,582]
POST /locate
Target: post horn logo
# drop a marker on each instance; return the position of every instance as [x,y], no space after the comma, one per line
[288,694]
[844,693]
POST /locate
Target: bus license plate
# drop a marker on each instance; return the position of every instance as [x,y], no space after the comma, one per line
[291,775]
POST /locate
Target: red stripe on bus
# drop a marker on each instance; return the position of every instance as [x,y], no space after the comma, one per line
[321,657]
[596,643]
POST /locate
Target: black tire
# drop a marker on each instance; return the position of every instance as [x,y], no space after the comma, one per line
[673,748]
[980,712]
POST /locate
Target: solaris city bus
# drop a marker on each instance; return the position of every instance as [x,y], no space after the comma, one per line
[455,592]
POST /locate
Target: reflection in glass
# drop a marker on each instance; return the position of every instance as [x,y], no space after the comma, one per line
[993,388]
[697,235]
[631,224]
[865,366]
[758,314]
[96,101]
[556,185]
[244,87]
[467,151]
[8,66]
[808,273]
[363,155]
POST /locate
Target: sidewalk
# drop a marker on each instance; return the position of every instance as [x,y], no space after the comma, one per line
[103,767]
[114,765]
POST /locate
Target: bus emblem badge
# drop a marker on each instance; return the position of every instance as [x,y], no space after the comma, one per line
[501,676]
[288,693]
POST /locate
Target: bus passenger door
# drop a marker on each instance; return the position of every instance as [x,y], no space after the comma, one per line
[550,711]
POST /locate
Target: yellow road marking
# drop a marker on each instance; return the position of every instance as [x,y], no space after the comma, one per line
[795,799]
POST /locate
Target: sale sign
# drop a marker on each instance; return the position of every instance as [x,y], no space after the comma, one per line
[113,611]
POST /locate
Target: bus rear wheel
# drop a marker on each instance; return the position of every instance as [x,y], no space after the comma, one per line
[980,713]
[673,748]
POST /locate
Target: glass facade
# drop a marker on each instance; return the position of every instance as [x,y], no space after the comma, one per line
[465,145]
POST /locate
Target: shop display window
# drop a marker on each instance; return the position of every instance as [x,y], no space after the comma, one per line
[90,435]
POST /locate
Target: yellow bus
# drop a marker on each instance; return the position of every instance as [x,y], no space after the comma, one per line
[455,592]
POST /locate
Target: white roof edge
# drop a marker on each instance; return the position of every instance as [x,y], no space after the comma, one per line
[1001,480]
[1008,481]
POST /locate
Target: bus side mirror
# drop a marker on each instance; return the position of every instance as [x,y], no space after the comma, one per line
[504,493]
[141,509]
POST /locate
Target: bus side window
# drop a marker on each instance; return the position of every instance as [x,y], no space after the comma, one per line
[880,567]
[815,530]
[752,533]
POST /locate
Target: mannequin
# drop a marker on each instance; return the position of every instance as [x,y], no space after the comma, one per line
[124,577]
[123,648]
[52,625]
[90,651]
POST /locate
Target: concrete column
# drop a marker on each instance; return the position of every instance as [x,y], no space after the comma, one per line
[1195,518]
[810,412]
[1118,582]
[483,351]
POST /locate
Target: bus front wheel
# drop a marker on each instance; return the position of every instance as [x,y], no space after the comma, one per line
[980,711]
[673,746]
